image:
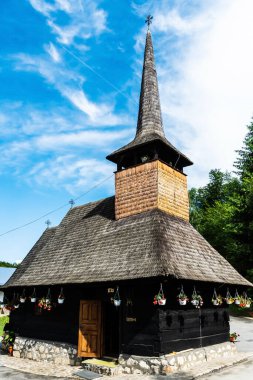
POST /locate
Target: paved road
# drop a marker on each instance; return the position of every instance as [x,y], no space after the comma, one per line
[11,374]
[243,371]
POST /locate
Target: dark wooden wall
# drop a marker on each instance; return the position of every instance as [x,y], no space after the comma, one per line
[160,330]
[137,326]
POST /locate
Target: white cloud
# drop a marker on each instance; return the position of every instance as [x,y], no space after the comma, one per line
[42,6]
[53,52]
[68,83]
[75,175]
[85,19]
[204,64]
[79,139]
[34,139]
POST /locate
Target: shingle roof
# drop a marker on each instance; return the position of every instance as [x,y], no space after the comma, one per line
[90,246]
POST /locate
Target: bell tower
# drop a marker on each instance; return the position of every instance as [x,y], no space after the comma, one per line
[150,169]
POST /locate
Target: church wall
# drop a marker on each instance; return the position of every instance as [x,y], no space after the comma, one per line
[138,326]
[161,330]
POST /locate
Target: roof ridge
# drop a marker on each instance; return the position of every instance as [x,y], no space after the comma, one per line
[92,202]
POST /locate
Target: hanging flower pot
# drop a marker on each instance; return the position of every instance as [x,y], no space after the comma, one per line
[23,297]
[116,298]
[33,296]
[61,297]
[196,300]
[44,305]
[216,300]
[245,302]
[229,299]
[159,299]
[182,297]
[237,298]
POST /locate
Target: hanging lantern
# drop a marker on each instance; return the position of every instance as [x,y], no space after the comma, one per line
[116,298]
[33,296]
[48,297]
[23,297]
[16,301]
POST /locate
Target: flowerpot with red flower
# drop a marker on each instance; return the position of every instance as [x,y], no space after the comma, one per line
[159,298]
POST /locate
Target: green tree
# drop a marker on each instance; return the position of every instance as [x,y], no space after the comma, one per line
[212,210]
[222,211]
[244,215]
[5,264]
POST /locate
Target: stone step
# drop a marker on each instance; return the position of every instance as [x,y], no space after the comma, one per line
[88,375]
[102,367]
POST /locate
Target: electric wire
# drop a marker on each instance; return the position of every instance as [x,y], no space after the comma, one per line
[98,75]
[95,186]
[56,209]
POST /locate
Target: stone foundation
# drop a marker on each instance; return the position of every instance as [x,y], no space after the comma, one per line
[177,362]
[46,351]
[66,354]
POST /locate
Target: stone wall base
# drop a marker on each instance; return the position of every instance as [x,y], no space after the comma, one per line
[46,351]
[178,362]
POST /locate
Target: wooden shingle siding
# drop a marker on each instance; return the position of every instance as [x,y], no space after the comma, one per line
[149,186]
[136,190]
[172,191]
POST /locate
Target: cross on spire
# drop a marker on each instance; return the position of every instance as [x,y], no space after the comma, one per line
[148,20]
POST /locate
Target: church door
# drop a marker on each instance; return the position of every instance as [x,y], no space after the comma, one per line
[89,340]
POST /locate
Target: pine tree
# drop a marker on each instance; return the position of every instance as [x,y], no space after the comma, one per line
[244,162]
[244,214]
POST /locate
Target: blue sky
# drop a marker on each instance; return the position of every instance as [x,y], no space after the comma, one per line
[70,77]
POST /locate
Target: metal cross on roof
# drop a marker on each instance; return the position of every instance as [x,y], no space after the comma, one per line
[149,20]
[47,222]
[71,202]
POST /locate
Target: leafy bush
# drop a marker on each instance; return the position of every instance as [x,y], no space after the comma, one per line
[3,321]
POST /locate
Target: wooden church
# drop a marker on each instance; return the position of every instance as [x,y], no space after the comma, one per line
[108,259]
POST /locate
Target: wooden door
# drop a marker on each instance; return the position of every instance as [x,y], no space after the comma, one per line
[89,340]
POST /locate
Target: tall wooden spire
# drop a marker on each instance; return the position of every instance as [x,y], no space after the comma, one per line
[150,142]
[149,117]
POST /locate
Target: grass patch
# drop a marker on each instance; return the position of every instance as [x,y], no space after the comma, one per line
[3,321]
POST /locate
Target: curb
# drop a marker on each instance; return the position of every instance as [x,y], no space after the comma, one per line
[213,369]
